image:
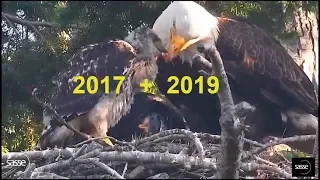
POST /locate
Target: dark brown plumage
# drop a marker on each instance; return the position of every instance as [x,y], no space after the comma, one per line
[74,108]
[96,114]
[276,77]
[201,111]
[265,76]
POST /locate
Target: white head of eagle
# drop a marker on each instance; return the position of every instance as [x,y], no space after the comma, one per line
[184,24]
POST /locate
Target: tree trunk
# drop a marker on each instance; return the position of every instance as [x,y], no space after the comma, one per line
[307,29]
[306,25]
[304,49]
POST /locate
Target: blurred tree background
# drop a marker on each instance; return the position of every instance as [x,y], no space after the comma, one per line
[39,36]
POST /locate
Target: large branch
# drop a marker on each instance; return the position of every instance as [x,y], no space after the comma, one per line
[231,127]
[31,24]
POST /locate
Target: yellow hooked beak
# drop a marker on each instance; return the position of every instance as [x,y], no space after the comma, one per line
[178,43]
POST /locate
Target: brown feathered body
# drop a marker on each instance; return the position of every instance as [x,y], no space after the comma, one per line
[261,72]
[95,114]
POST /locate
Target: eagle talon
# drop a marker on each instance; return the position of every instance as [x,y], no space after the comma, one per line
[201,48]
[245,128]
[196,57]
[203,73]
[107,141]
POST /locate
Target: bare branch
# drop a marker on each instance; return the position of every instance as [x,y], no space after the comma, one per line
[98,138]
[231,127]
[11,24]
[42,38]
[255,166]
[27,173]
[78,153]
[136,172]
[265,161]
[124,169]
[35,23]
[189,134]
[107,168]
[54,112]
[149,157]
[46,175]
[280,141]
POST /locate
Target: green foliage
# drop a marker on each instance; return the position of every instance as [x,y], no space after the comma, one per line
[4,150]
[292,154]
[30,60]
[20,131]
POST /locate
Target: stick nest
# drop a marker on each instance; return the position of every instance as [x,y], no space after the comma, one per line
[169,154]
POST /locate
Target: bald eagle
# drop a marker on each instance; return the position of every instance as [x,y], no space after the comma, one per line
[265,76]
[95,114]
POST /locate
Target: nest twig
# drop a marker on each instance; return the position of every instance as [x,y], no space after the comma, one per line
[159,156]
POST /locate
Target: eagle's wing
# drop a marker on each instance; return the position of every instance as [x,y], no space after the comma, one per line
[99,60]
[85,112]
[252,56]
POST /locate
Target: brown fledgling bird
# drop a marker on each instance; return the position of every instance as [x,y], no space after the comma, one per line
[95,114]
[153,124]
